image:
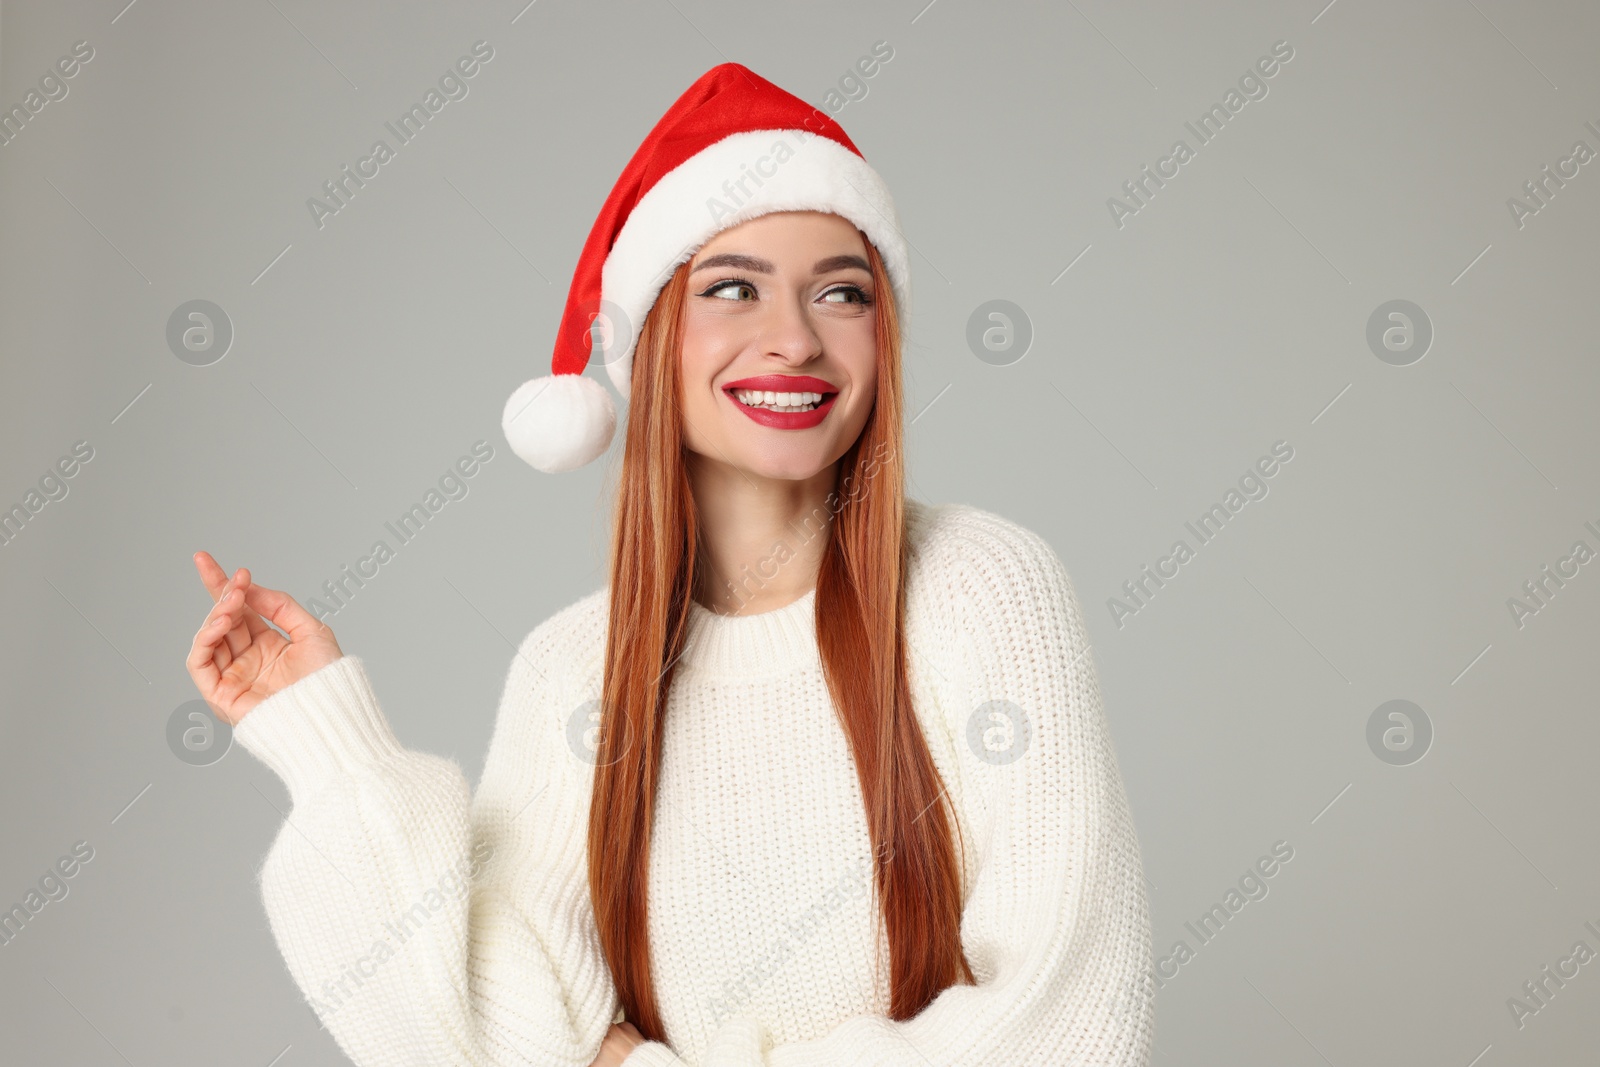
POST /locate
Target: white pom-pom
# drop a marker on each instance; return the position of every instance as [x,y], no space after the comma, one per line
[559,422]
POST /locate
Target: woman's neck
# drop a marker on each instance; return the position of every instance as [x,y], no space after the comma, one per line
[761,539]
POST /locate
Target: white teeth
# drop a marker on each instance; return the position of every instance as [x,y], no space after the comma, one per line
[778,401]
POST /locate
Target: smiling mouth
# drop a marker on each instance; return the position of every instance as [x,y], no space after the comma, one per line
[783,402]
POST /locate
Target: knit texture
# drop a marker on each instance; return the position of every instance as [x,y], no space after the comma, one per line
[430,925]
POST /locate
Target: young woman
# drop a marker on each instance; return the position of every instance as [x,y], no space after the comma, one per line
[820,776]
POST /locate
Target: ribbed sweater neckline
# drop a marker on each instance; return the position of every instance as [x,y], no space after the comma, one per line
[744,646]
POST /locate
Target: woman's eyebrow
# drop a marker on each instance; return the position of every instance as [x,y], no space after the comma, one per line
[833,263]
[761,266]
[736,259]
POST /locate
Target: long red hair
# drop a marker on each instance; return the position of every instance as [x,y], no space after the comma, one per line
[654,570]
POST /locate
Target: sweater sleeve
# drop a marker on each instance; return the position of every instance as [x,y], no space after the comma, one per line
[1056,926]
[427,925]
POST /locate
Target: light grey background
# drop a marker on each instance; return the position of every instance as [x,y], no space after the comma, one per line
[1228,314]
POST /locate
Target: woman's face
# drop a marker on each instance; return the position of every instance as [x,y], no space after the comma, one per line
[782,303]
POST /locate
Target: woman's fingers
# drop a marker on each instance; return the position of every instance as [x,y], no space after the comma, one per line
[220,621]
[210,654]
[238,634]
[211,573]
[215,580]
[281,609]
[224,625]
[240,630]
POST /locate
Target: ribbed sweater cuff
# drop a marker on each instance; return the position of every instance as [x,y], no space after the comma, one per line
[325,725]
[652,1054]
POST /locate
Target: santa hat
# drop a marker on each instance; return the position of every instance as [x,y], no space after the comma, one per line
[731,148]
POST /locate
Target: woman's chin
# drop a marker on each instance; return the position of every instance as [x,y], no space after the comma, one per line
[789,463]
[784,469]
[792,460]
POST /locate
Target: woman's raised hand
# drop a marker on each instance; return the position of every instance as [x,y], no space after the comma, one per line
[237,660]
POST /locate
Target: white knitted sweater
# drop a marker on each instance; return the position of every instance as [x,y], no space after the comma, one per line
[430,925]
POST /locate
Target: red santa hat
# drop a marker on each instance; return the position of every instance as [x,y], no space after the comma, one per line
[733,147]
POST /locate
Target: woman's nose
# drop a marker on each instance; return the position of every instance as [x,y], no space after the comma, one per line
[787,331]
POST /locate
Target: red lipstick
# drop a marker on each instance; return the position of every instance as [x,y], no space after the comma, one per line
[784,383]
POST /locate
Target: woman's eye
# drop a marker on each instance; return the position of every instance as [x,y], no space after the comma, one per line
[856,294]
[722,289]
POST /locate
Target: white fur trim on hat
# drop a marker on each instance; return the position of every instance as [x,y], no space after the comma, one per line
[703,195]
[559,422]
